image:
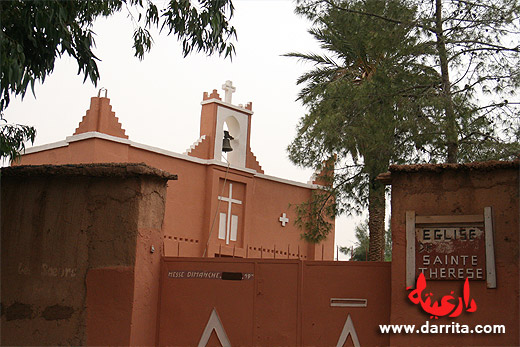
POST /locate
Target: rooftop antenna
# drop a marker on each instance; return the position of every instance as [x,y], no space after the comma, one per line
[100,90]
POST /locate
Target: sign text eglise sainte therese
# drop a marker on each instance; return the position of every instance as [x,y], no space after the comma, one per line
[450,253]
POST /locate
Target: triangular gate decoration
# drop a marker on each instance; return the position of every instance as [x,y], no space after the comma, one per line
[348,329]
[214,323]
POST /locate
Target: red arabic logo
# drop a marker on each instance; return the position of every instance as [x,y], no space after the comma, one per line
[446,307]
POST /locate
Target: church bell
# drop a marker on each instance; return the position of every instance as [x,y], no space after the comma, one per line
[226,143]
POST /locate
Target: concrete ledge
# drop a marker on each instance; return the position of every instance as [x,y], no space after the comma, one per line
[121,170]
[386,177]
[478,165]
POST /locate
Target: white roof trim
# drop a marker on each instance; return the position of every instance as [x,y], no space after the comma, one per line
[46,147]
[220,163]
[286,181]
[227,104]
[168,153]
[94,134]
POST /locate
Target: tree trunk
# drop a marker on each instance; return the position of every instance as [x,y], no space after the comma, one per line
[452,142]
[376,220]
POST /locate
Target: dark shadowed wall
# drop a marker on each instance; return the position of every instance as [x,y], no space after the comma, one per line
[76,242]
[460,189]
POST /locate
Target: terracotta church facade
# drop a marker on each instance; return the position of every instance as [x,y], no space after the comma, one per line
[221,205]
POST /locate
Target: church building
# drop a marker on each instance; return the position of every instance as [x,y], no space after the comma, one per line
[223,204]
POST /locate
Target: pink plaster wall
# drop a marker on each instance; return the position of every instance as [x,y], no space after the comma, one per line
[284,303]
[191,205]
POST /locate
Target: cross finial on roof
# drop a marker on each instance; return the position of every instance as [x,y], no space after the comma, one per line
[229,89]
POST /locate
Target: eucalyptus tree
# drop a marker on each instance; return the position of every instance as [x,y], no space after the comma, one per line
[35,33]
[477,52]
[475,48]
[456,103]
[364,97]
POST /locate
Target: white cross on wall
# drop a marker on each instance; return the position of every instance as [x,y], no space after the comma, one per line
[284,219]
[230,201]
[229,89]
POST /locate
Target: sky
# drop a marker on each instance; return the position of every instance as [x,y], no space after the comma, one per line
[157,100]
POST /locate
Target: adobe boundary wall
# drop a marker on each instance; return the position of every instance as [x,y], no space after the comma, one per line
[454,191]
[75,253]
[78,267]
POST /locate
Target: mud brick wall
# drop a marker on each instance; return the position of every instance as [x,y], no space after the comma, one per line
[460,189]
[70,237]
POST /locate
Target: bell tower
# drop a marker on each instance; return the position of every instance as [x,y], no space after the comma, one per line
[218,116]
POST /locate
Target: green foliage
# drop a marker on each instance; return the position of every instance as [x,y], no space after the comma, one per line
[13,138]
[473,47]
[315,215]
[360,251]
[364,95]
[477,52]
[363,98]
[402,82]
[35,33]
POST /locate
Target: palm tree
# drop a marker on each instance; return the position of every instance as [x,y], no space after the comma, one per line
[364,96]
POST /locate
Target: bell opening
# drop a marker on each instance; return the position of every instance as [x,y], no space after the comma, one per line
[230,149]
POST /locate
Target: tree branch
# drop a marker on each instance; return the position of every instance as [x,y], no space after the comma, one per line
[391,20]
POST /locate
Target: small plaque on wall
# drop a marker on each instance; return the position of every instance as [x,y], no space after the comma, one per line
[450,248]
[446,253]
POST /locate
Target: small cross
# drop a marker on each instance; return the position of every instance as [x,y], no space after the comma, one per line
[229,89]
[284,219]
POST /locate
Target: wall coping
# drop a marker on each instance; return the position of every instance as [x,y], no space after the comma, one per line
[120,170]
[477,165]
[227,104]
[386,177]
